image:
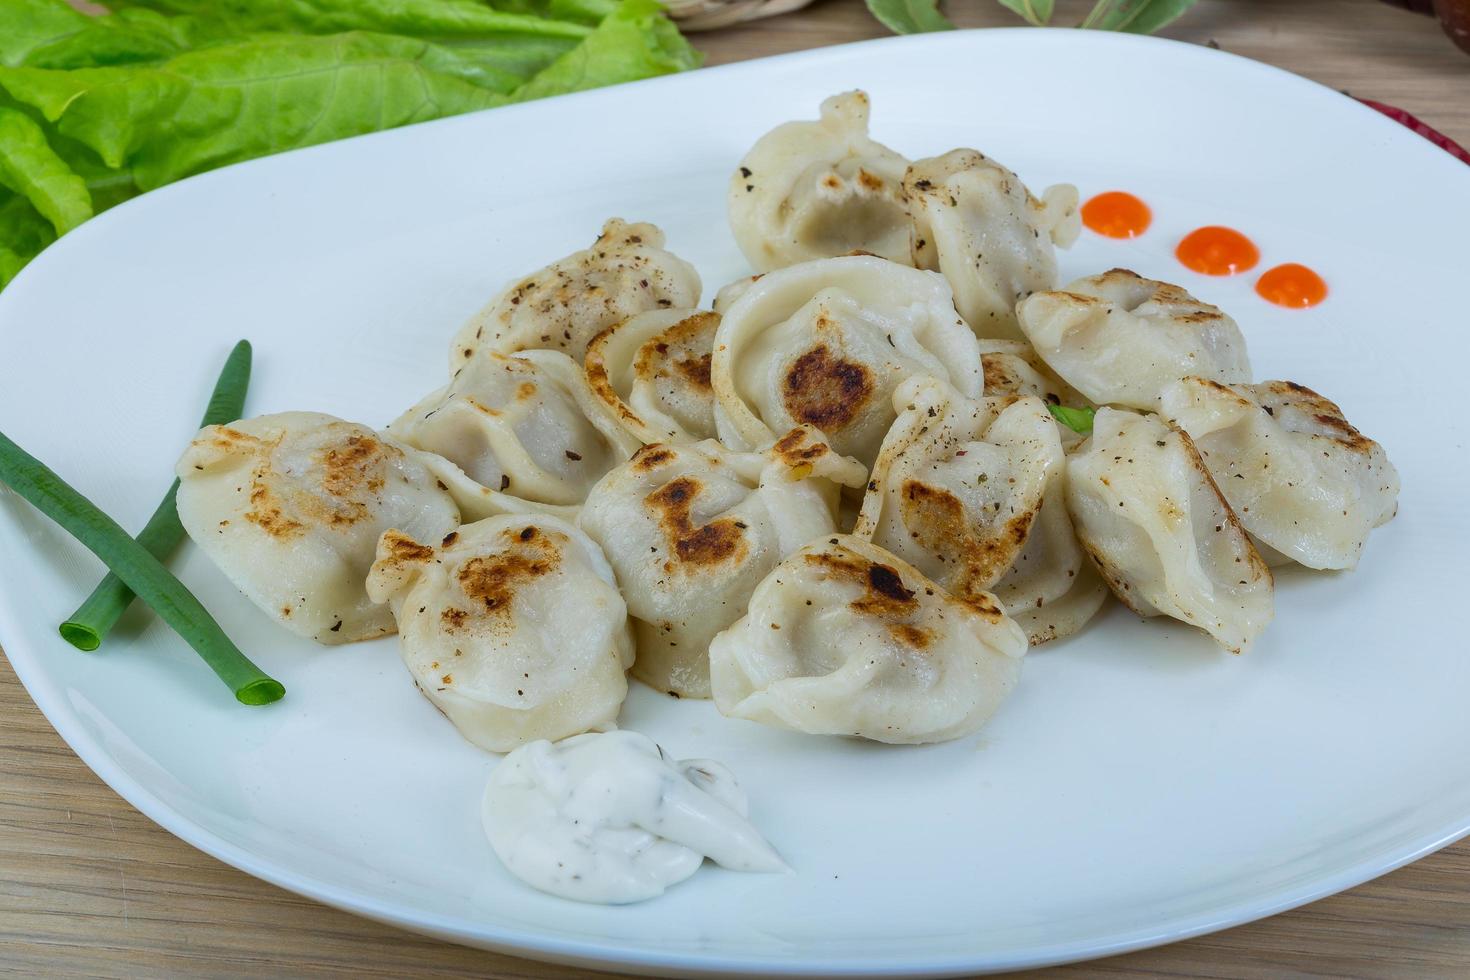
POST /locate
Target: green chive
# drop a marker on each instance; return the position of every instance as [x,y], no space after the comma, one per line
[138,570]
[86,628]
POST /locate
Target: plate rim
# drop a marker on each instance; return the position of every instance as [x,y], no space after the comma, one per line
[627,958]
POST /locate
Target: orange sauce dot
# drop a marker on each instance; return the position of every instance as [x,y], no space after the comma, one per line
[1217,251]
[1291,285]
[1117,214]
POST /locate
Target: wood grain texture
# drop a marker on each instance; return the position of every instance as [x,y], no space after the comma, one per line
[88,886]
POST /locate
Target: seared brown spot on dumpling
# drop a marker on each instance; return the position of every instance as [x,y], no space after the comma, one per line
[982,602]
[453,618]
[265,512]
[1324,411]
[798,446]
[650,458]
[695,370]
[683,351]
[493,580]
[937,519]
[709,544]
[910,635]
[884,593]
[824,390]
[352,473]
[885,582]
[224,437]
[400,547]
[999,378]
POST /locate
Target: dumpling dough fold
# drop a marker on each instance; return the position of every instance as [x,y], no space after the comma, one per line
[1163,536]
[814,189]
[290,507]
[512,626]
[691,530]
[845,638]
[1302,480]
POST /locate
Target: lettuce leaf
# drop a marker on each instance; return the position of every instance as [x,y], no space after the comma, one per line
[30,24]
[428,19]
[95,109]
[23,233]
[635,41]
[219,105]
[31,168]
[580,11]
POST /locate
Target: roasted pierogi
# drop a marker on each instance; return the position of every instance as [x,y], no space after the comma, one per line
[290,507]
[1302,480]
[1120,339]
[626,271]
[1162,534]
[845,638]
[512,626]
[825,343]
[974,221]
[521,424]
[812,190]
[690,531]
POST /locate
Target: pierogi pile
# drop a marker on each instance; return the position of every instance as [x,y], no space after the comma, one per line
[841,501]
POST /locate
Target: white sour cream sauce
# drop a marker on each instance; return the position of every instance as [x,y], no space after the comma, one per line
[609,818]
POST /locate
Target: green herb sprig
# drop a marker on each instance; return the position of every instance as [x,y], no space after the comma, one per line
[1132,16]
[1077,419]
[86,628]
[136,568]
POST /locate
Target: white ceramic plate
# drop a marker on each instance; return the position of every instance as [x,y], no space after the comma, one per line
[1140,787]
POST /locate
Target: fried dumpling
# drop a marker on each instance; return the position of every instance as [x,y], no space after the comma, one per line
[1120,339]
[1303,481]
[845,638]
[652,372]
[815,189]
[690,530]
[974,221]
[626,271]
[1164,538]
[512,626]
[521,424]
[959,481]
[290,507]
[971,491]
[825,343]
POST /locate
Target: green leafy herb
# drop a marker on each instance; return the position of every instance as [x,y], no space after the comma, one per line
[88,626]
[23,233]
[428,19]
[137,569]
[95,109]
[1135,16]
[1076,419]
[634,41]
[910,16]
[30,168]
[1036,12]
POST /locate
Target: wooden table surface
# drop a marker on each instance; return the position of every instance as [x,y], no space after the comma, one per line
[88,886]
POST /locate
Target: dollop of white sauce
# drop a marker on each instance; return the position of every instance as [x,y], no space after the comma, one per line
[609,818]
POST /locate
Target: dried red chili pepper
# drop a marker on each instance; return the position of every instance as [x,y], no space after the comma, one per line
[1422,128]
